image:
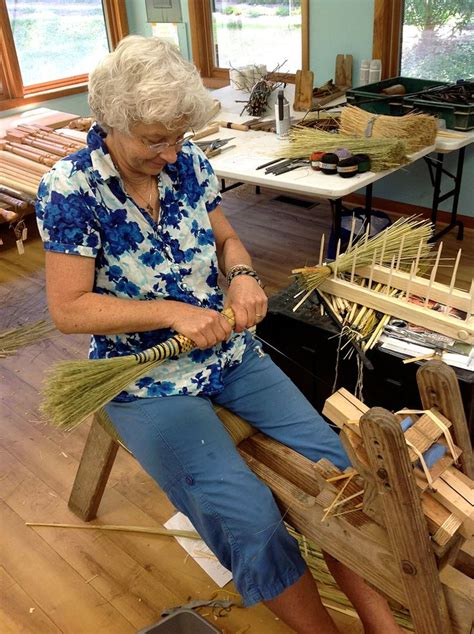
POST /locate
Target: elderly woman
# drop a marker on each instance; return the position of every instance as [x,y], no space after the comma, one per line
[135,239]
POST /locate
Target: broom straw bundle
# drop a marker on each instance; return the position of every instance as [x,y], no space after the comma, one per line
[386,244]
[415,130]
[75,389]
[328,588]
[14,338]
[384,153]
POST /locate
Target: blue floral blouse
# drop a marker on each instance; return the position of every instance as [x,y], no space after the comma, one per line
[82,209]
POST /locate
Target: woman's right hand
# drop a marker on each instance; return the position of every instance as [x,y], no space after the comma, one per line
[203,326]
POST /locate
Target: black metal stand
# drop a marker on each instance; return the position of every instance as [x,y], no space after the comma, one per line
[437,170]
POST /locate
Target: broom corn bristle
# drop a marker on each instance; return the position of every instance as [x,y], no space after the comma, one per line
[384,153]
[14,338]
[415,232]
[76,389]
[417,130]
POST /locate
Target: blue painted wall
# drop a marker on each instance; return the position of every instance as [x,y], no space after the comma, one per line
[339,26]
[336,26]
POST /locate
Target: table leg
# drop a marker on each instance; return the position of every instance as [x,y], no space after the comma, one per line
[368,204]
[454,193]
[226,188]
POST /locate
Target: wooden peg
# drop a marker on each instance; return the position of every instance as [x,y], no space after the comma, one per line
[418,256]
[321,250]
[400,252]
[371,274]
[453,276]
[384,244]
[367,232]
[389,283]
[351,237]
[354,261]
[338,249]
[433,274]
[410,280]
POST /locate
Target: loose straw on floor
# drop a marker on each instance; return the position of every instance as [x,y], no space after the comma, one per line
[127,529]
[14,338]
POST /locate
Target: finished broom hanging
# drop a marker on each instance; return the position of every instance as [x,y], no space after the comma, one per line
[75,389]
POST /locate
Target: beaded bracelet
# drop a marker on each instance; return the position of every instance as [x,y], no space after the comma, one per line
[242,269]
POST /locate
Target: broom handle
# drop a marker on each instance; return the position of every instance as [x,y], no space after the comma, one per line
[175,345]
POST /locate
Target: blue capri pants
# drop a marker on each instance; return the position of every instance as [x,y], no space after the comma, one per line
[183,445]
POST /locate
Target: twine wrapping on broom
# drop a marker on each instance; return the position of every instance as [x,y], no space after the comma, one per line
[76,389]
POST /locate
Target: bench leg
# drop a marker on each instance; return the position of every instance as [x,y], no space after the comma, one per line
[93,473]
[404,521]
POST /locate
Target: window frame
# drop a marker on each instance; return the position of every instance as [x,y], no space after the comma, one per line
[387,35]
[200,22]
[15,94]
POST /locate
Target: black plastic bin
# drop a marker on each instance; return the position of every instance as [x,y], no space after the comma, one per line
[182,622]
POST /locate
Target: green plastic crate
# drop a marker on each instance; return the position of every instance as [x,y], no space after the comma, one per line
[458,116]
[369,97]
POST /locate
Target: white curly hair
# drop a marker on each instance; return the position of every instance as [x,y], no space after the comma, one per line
[146,80]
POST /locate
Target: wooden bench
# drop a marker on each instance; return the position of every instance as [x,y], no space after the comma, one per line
[394,553]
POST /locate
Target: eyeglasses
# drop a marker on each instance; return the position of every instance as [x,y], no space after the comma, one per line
[157,148]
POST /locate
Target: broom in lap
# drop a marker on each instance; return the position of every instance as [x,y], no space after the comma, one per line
[76,389]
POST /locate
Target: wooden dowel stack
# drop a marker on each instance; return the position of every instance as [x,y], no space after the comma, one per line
[28,152]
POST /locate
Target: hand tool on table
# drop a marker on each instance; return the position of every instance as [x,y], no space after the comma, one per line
[215,146]
[275,167]
[287,166]
[212,129]
[218,150]
[278,160]
[233,126]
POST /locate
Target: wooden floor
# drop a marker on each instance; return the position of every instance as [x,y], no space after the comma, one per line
[57,580]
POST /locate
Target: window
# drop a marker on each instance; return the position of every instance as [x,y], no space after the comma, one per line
[438,40]
[47,49]
[244,32]
[430,39]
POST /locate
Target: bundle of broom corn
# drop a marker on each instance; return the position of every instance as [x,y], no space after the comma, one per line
[403,245]
[384,153]
[75,389]
[416,130]
[331,595]
[19,337]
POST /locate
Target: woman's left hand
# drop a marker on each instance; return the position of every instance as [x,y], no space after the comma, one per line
[248,301]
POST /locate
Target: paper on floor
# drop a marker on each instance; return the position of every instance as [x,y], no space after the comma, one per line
[199,551]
